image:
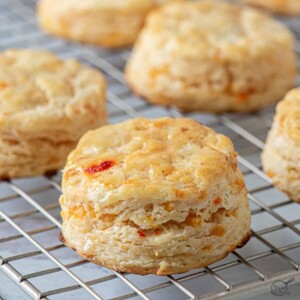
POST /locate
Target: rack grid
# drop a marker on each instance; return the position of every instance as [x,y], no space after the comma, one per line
[31,254]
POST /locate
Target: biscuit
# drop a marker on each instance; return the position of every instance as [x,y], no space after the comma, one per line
[113,23]
[154,197]
[281,155]
[46,105]
[212,56]
[288,7]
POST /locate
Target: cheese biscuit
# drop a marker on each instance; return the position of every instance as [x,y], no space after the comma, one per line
[46,105]
[212,56]
[156,196]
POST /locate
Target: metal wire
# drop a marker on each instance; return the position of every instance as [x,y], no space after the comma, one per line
[18,28]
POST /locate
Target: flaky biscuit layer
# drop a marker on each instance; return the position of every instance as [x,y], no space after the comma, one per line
[154,196]
[20,158]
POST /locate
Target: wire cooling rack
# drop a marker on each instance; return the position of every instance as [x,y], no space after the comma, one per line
[32,256]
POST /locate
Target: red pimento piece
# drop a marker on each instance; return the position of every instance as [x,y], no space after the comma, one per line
[141,233]
[105,165]
[217,201]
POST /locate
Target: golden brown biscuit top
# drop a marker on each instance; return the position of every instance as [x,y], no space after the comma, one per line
[162,160]
[38,91]
[288,115]
[215,29]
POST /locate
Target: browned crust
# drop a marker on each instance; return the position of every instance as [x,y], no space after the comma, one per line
[156,270]
[50,173]
[61,238]
[245,239]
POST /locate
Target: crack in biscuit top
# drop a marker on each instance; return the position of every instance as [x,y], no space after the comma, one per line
[165,159]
